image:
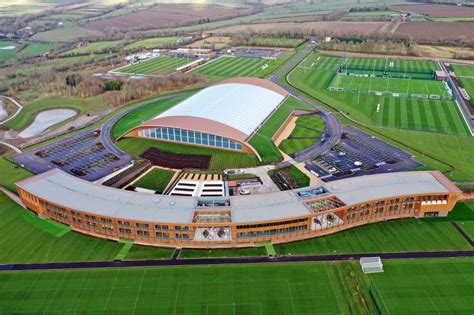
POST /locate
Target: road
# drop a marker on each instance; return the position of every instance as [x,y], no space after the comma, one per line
[461,103]
[225,261]
[333,127]
[106,134]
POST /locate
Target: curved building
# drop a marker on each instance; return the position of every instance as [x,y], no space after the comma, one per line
[222,116]
[238,221]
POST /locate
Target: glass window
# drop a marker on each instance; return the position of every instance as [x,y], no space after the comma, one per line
[205,139]
[177,134]
[198,137]
[218,141]
[225,142]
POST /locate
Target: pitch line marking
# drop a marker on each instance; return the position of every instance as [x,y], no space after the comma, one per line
[139,290]
[291,296]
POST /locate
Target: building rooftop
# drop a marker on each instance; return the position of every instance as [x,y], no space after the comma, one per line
[242,104]
[69,191]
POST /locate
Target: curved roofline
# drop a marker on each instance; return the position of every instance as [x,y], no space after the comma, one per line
[269,85]
[197,124]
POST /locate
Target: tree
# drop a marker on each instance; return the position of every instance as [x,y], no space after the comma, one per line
[73,79]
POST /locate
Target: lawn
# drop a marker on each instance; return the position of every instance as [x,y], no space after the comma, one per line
[221,159]
[225,289]
[27,239]
[159,42]
[145,113]
[440,116]
[262,140]
[425,286]
[10,174]
[138,252]
[391,65]
[307,131]
[157,180]
[29,112]
[403,235]
[69,33]
[156,66]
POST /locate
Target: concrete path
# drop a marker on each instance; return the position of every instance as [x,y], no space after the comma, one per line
[20,107]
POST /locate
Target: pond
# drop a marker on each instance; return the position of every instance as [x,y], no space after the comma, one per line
[46,119]
[3,112]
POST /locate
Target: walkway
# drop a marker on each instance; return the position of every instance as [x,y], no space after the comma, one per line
[240,260]
[11,146]
[20,107]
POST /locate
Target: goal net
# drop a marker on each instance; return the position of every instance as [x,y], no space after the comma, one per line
[371,264]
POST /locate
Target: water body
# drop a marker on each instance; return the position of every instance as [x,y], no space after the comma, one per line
[46,119]
[3,112]
[8,47]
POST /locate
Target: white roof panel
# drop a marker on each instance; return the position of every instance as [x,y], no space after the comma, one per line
[239,105]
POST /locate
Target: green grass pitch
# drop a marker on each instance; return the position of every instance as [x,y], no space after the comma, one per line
[426,286]
[235,67]
[406,287]
[441,116]
[157,179]
[360,84]
[156,66]
[465,75]
[231,289]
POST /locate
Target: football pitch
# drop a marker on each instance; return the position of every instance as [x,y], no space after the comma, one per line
[156,66]
[316,74]
[235,67]
[405,287]
[390,86]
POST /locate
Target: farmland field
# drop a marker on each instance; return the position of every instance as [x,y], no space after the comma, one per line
[166,16]
[159,42]
[436,30]
[437,10]
[36,49]
[157,179]
[314,75]
[323,28]
[68,33]
[371,13]
[156,66]
[262,139]
[273,42]
[8,50]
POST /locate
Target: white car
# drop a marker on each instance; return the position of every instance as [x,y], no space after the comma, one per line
[244,192]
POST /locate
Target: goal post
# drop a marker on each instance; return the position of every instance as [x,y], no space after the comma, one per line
[371,264]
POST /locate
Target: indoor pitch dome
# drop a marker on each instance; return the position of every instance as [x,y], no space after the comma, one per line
[222,116]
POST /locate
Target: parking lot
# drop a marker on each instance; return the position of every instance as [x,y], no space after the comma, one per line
[82,155]
[360,154]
